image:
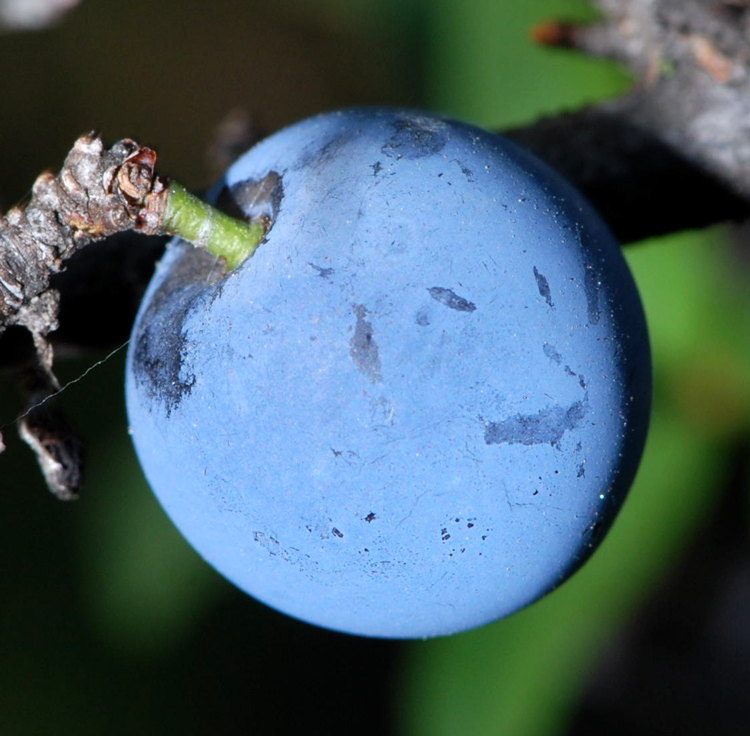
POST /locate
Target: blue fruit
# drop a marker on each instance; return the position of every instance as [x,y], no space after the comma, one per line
[420,404]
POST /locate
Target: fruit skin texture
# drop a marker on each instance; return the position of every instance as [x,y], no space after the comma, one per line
[420,404]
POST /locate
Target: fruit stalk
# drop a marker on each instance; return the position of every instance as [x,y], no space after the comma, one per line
[204,226]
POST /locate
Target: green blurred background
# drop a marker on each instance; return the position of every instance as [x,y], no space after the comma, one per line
[110,624]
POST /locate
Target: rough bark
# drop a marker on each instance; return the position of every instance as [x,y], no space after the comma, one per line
[675,152]
[99,192]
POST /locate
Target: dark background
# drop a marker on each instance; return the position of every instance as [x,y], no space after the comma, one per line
[110,624]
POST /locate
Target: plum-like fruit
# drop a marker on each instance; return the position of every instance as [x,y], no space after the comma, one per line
[418,407]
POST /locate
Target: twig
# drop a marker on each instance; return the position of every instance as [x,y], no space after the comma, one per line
[98,193]
[642,186]
[684,131]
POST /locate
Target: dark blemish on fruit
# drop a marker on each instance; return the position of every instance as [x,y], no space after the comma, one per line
[415,138]
[337,453]
[570,371]
[467,172]
[547,426]
[581,471]
[322,272]
[257,198]
[593,533]
[543,285]
[158,363]
[450,299]
[275,549]
[591,288]
[330,147]
[422,319]
[552,354]
[318,153]
[444,535]
[470,525]
[376,168]
[370,517]
[270,544]
[337,533]
[163,367]
[362,346]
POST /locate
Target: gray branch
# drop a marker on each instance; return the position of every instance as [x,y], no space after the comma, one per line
[99,192]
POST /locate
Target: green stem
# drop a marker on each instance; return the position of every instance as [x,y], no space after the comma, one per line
[204,226]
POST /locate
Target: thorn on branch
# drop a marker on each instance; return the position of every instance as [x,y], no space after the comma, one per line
[234,135]
[48,433]
[719,66]
[556,33]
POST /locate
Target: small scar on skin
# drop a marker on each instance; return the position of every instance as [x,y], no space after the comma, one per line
[543,286]
[362,347]
[322,272]
[450,299]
